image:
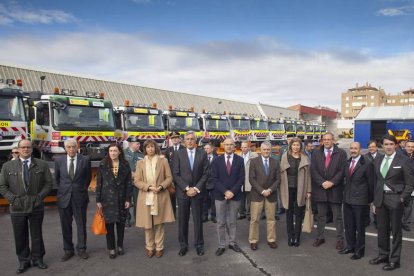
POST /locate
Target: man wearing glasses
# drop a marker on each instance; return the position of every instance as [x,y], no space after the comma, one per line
[25,182]
[14,153]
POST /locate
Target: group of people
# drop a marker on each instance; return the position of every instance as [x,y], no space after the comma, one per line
[229,185]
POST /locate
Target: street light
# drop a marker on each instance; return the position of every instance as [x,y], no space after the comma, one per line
[218,107]
[42,78]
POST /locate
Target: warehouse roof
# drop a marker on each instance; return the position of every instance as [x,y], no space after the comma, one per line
[381,113]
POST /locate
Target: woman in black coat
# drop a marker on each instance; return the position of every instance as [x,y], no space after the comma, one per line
[113,195]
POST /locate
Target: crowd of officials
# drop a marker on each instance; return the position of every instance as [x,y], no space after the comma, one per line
[145,188]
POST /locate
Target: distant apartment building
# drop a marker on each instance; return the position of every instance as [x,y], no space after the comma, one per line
[354,99]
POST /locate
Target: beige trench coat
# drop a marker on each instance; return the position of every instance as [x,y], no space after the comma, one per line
[164,178]
[304,181]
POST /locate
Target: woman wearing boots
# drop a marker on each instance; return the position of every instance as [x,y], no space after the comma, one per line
[295,187]
[113,195]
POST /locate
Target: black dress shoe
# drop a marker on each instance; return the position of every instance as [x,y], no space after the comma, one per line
[235,248]
[277,218]
[112,254]
[241,217]
[346,251]
[290,241]
[205,219]
[182,251]
[40,264]
[120,251]
[356,257]
[296,242]
[391,266]
[23,267]
[200,251]
[378,260]
[220,251]
[67,256]
[83,255]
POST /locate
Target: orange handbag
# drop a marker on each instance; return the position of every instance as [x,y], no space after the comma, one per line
[98,224]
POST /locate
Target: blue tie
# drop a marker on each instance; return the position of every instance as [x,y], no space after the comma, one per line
[266,167]
[191,159]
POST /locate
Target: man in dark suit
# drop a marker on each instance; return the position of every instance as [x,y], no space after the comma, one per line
[25,182]
[169,154]
[372,155]
[209,202]
[406,220]
[227,175]
[190,172]
[358,194]
[73,175]
[393,187]
[327,171]
[264,176]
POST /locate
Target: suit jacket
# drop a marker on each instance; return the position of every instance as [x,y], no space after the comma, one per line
[169,154]
[359,187]
[12,187]
[260,181]
[369,156]
[210,183]
[400,178]
[334,173]
[247,187]
[224,182]
[76,189]
[185,177]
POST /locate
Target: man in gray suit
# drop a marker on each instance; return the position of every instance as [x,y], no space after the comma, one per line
[73,174]
[25,182]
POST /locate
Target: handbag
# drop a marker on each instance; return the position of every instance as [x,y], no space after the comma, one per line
[171,189]
[307,225]
[98,224]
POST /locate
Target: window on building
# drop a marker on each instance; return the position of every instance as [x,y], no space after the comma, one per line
[372,97]
[347,98]
[347,105]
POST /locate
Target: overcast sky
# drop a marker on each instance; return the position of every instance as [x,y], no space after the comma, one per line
[280,52]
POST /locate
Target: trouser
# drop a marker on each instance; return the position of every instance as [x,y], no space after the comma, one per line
[78,212]
[110,235]
[174,203]
[256,210]
[209,203]
[226,221]
[355,221]
[337,216]
[154,238]
[389,215]
[244,209]
[22,225]
[195,204]
[294,215]
[406,220]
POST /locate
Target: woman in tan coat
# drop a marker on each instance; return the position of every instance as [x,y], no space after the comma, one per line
[152,177]
[295,187]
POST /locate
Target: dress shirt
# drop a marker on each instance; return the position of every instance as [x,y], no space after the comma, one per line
[356,161]
[75,159]
[391,157]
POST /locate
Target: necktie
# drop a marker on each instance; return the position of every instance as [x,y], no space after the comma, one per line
[351,170]
[175,148]
[328,159]
[386,166]
[266,166]
[228,165]
[71,169]
[26,173]
[191,159]
[209,159]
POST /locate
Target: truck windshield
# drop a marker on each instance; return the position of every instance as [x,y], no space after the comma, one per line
[217,125]
[12,109]
[309,128]
[259,125]
[74,117]
[290,127]
[140,122]
[274,126]
[300,128]
[183,123]
[240,124]
[322,128]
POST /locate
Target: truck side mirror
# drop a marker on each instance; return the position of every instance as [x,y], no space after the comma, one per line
[31,113]
[40,120]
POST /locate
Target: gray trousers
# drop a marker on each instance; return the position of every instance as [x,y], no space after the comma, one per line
[337,216]
[406,220]
[226,212]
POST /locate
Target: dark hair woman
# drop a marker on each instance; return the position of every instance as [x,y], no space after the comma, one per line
[113,195]
[152,177]
[295,187]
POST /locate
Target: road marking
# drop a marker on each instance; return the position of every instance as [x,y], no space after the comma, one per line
[368,234]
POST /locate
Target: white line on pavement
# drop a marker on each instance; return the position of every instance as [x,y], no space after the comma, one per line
[368,234]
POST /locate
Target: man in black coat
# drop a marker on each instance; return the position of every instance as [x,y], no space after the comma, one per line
[73,175]
[393,187]
[190,172]
[327,171]
[169,154]
[358,194]
[406,220]
[209,201]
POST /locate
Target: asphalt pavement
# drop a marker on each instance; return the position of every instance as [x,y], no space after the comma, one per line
[303,260]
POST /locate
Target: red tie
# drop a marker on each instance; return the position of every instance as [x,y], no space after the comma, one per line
[351,170]
[328,159]
[228,164]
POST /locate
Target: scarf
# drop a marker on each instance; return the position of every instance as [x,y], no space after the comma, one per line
[151,197]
